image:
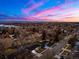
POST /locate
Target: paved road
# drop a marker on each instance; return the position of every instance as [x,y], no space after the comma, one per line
[54,50]
[60,45]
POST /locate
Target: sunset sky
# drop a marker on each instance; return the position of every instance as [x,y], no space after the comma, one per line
[39,10]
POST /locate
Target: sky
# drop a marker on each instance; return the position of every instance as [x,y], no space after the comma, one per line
[39,10]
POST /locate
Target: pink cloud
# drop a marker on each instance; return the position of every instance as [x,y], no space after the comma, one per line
[34,6]
[58,13]
[27,10]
